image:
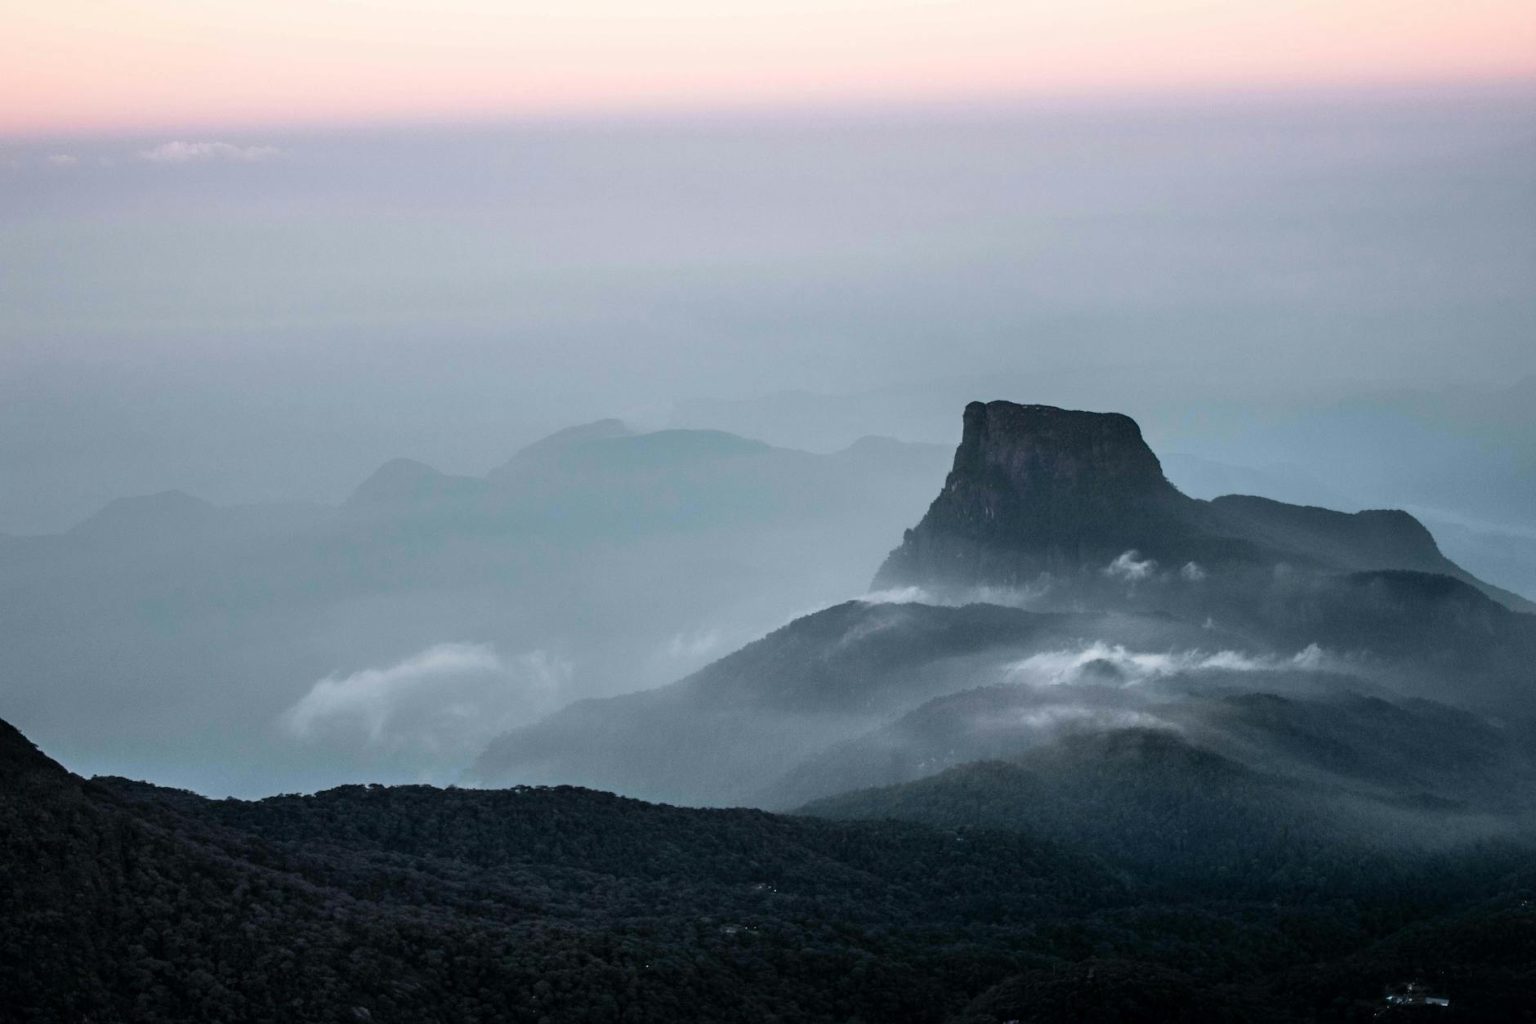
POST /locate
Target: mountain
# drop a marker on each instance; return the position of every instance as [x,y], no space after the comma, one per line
[1170,810]
[1279,718]
[1146,798]
[1037,491]
[866,693]
[1066,518]
[126,901]
[406,481]
[726,734]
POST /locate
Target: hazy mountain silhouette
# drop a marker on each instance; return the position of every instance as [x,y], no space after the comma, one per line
[607,558]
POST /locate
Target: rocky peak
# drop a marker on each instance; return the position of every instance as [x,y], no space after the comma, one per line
[1041,460]
[1039,489]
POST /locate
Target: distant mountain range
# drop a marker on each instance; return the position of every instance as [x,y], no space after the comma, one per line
[613,559]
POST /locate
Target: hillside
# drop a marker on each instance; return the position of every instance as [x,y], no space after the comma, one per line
[125,901]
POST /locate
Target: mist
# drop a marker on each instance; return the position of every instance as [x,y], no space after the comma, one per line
[1317,297]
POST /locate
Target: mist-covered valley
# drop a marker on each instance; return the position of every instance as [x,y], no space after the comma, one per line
[398,634]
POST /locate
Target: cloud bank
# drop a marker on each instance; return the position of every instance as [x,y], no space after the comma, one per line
[437,708]
[1099,662]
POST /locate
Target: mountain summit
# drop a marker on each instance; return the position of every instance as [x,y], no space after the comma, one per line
[1038,490]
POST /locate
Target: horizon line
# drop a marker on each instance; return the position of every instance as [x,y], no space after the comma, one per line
[1235,92]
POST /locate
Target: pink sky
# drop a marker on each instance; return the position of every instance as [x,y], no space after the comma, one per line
[83,66]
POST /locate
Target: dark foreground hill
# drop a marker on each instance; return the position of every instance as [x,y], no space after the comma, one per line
[125,902]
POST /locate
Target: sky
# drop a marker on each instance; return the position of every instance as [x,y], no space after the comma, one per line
[102,66]
[253,250]
[270,316]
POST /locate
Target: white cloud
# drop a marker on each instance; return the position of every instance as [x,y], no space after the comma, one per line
[1068,716]
[1101,662]
[1311,658]
[204,152]
[1192,572]
[1022,596]
[1130,567]
[441,705]
[62,160]
[898,595]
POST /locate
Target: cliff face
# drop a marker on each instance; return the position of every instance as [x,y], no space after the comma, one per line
[1039,489]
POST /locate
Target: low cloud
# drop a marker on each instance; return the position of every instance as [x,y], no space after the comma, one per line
[437,708]
[1192,572]
[1026,595]
[1089,719]
[63,160]
[898,595]
[1103,663]
[207,152]
[1130,567]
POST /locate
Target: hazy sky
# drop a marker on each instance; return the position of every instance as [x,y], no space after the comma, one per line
[252,250]
[110,65]
[272,317]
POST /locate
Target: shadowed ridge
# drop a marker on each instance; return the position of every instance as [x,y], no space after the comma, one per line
[19,756]
[1371,539]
